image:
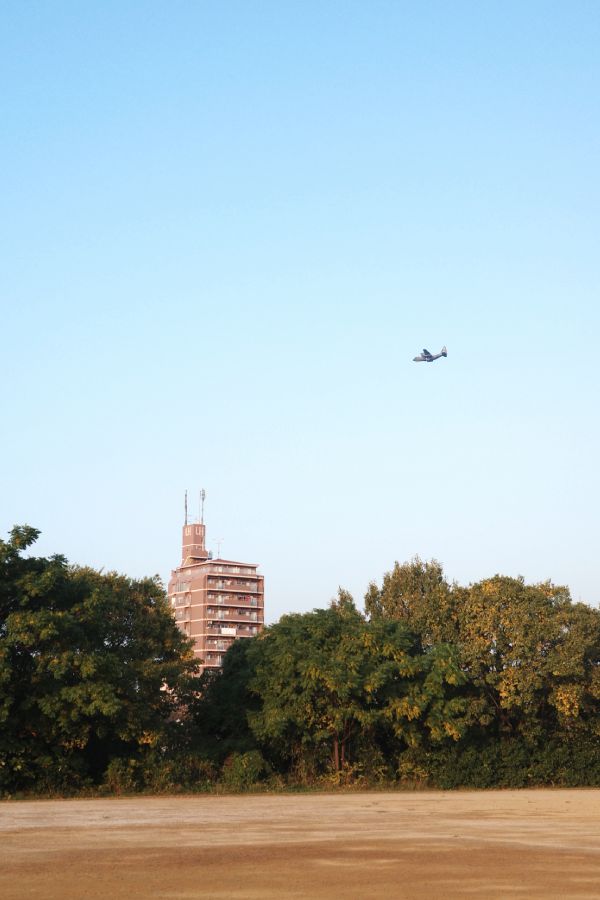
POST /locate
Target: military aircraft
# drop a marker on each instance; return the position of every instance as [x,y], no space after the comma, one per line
[426,356]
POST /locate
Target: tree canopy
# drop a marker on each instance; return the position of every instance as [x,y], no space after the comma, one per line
[92,667]
[330,680]
[496,683]
[531,655]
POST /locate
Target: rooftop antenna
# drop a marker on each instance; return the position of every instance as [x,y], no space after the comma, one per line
[218,543]
[186,507]
[202,496]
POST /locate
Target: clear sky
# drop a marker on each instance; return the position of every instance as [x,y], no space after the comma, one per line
[227,228]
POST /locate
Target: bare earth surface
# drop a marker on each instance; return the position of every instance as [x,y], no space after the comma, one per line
[492,844]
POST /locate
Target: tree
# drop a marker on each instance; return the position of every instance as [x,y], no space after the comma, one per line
[416,593]
[92,666]
[220,714]
[530,656]
[329,680]
[532,653]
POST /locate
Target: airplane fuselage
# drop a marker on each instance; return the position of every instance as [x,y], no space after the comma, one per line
[426,356]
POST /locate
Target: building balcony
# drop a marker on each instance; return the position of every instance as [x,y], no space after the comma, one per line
[224,569]
[231,630]
[213,646]
[237,586]
[231,615]
[226,630]
[213,599]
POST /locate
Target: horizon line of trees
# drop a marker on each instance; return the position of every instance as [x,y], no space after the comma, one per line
[497,683]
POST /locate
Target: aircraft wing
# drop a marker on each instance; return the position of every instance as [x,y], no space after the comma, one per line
[426,352]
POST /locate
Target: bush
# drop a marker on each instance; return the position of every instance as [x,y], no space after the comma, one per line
[181,772]
[568,764]
[122,776]
[43,774]
[243,770]
[508,763]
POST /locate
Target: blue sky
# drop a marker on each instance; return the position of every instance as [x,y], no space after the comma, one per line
[226,230]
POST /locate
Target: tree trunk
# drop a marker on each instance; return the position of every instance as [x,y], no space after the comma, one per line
[336,753]
[345,738]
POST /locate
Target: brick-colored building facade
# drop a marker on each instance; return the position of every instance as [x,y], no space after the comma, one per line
[214,601]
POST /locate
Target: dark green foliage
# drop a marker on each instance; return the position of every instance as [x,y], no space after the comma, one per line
[328,690]
[92,669]
[513,763]
[220,714]
[162,773]
[158,772]
[494,685]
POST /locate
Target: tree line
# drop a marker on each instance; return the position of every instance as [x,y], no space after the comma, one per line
[494,684]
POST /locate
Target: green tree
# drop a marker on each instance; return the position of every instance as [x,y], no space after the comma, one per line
[220,713]
[329,681]
[92,667]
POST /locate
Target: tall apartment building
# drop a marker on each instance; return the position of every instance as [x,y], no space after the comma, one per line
[214,601]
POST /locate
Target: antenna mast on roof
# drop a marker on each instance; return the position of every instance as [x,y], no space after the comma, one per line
[202,496]
[186,507]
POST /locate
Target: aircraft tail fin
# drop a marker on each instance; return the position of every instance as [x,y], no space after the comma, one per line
[444,351]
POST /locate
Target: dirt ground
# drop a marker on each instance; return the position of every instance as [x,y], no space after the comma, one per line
[471,844]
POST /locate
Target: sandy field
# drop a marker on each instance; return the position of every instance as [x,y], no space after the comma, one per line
[492,844]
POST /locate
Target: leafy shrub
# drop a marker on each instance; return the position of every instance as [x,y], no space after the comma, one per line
[512,763]
[242,770]
[181,772]
[42,774]
[122,776]
[350,775]
[412,769]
